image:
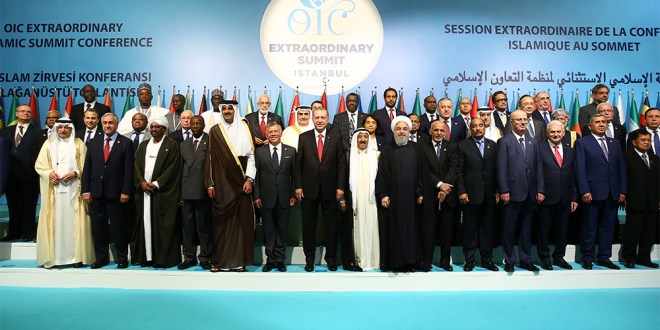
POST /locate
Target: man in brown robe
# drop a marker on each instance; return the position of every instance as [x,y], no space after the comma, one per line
[156,240]
[229,172]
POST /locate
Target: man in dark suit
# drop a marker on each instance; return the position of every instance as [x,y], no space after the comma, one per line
[51,117]
[535,127]
[140,132]
[600,172]
[542,112]
[501,115]
[476,187]
[642,201]
[174,118]
[385,115]
[560,195]
[600,93]
[91,129]
[415,134]
[196,209]
[184,132]
[652,118]
[612,130]
[456,130]
[78,110]
[442,158]
[429,116]
[521,184]
[464,107]
[320,178]
[23,185]
[348,121]
[257,121]
[107,181]
[273,194]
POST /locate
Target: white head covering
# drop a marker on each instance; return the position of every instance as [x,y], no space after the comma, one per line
[160,120]
[239,137]
[310,125]
[355,172]
[398,119]
[63,154]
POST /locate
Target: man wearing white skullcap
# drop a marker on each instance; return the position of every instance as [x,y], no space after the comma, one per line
[145,107]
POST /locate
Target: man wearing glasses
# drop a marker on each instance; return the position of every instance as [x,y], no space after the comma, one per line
[501,115]
[260,119]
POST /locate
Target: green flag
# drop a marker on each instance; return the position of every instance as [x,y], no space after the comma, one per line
[457,111]
[575,124]
[127,105]
[373,104]
[417,108]
[279,108]
[561,102]
[12,119]
[633,116]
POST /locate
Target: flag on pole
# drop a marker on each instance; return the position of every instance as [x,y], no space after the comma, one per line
[250,106]
[324,98]
[12,119]
[575,114]
[202,105]
[417,107]
[657,101]
[294,106]
[619,106]
[127,104]
[187,107]
[35,111]
[342,103]
[159,100]
[633,115]
[108,99]
[279,108]
[475,106]
[373,104]
[359,100]
[2,111]
[69,104]
[490,100]
[561,101]
[645,106]
[172,99]
[400,104]
[233,98]
[549,102]
[457,109]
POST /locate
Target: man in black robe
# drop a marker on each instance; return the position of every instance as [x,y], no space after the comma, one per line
[401,169]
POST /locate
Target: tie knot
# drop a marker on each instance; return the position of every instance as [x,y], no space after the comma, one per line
[274,148]
[320,136]
[521,140]
[107,139]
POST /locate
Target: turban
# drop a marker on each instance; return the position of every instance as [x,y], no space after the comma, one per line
[162,121]
[398,119]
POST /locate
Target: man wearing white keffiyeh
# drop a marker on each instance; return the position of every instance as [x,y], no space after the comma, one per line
[64,233]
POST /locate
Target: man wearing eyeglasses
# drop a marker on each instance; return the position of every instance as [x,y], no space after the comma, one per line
[501,115]
[257,121]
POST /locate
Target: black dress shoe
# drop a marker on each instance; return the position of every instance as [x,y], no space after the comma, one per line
[332,267]
[509,268]
[147,264]
[77,265]
[281,267]
[98,264]
[490,266]
[629,264]
[446,266]
[159,266]
[545,264]
[206,265]
[608,264]
[468,267]
[122,264]
[648,263]
[9,238]
[587,265]
[562,264]
[309,267]
[529,266]
[187,264]
[241,269]
[267,268]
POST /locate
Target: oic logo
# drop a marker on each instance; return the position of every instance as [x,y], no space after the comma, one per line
[309,43]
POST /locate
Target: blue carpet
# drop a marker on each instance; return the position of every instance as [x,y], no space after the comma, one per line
[38,308]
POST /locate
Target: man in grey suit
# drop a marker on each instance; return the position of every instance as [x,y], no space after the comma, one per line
[535,127]
[196,208]
[273,194]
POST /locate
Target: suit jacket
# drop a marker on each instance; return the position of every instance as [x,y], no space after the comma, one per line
[602,177]
[172,126]
[421,138]
[477,175]
[254,122]
[272,185]
[82,133]
[538,116]
[619,133]
[643,187]
[505,128]
[5,154]
[383,118]
[44,136]
[559,181]
[342,125]
[629,145]
[23,157]
[147,136]
[589,110]
[519,172]
[78,114]
[539,129]
[178,135]
[320,180]
[458,129]
[112,178]
[425,124]
[192,168]
[445,170]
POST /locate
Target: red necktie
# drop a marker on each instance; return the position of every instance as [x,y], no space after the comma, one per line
[263,127]
[106,150]
[320,146]
[448,135]
[558,156]
[391,114]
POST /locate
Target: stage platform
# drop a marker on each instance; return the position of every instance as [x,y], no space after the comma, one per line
[18,269]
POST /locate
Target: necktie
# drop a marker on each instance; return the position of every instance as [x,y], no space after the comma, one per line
[262,127]
[413,137]
[106,150]
[480,145]
[558,156]
[608,132]
[136,140]
[656,142]
[545,117]
[604,147]
[448,134]
[437,149]
[467,122]
[89,136]
[195,144]
[646,160]
[187,136]
[530,126]
[351,127]
[275,160]
[19,137]
[391,114]
[503,118]
[320,147]
[521,141]
[88,106]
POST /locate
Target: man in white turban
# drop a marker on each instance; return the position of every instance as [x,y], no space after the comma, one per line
[64,235]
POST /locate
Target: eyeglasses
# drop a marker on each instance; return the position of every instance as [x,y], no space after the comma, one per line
[500,100]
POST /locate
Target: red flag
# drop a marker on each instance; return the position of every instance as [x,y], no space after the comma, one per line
[108,100]
[33,106]
[401,106]
[53,102]
[294,105]
[342,104]
[172,103]
[202,105]
[475,106]
[490,101]
[69,103]
[324,100]
[550,102]
[233,98]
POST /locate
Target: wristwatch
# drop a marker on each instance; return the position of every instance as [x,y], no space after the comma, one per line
[250,179]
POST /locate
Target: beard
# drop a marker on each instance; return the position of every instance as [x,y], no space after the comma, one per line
[401,140]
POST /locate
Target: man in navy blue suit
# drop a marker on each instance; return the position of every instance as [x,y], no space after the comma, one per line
[385,115]
[107,180]
[521,184]
[601,181]
[560,195]
[456,129]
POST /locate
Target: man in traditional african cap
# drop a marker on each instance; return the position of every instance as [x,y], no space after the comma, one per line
[145,107]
